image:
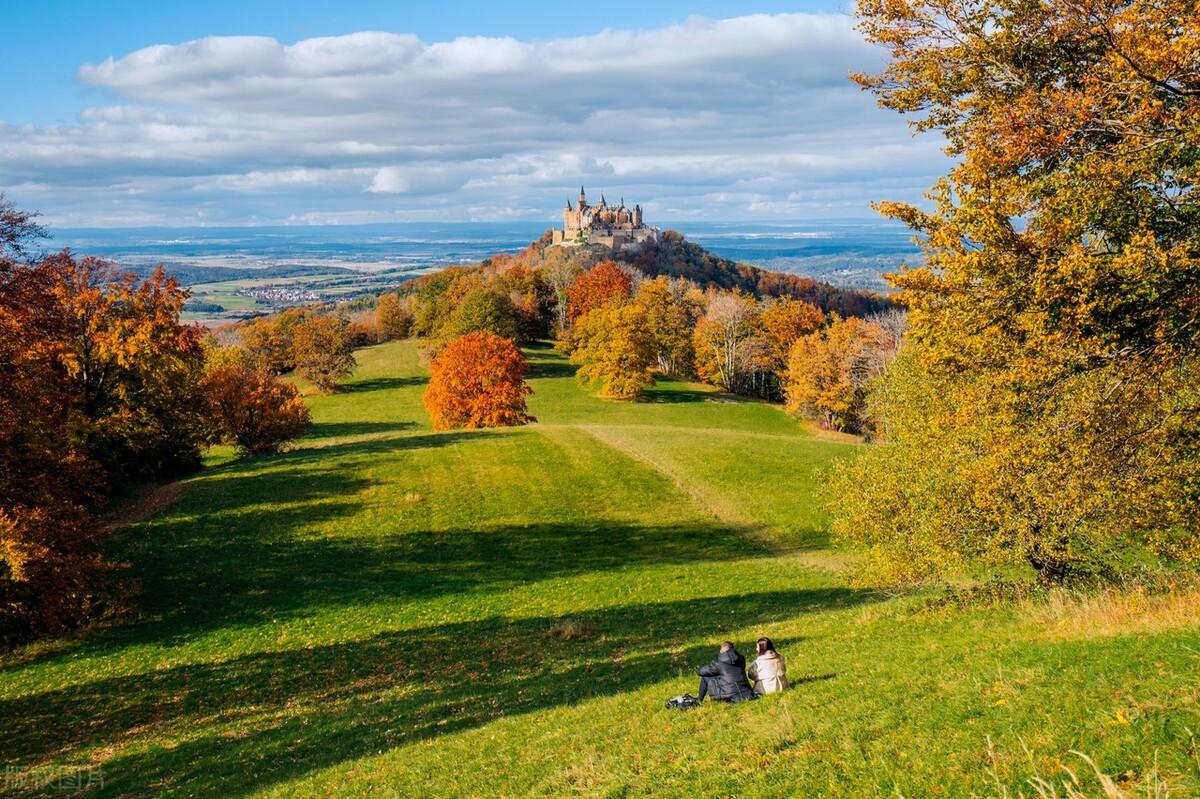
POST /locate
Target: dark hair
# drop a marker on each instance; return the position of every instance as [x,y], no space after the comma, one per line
[765,646]
[727,645]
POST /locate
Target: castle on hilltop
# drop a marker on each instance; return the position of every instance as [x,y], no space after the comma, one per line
[611,226]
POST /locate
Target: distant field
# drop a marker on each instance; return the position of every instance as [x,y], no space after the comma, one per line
[380,612]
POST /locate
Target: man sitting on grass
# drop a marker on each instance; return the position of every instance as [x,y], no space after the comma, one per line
[724,679]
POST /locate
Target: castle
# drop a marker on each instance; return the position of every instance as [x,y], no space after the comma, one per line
[616,227]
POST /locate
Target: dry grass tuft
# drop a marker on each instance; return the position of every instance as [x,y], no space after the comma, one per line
[1067,614]
[1083,781]
[568,629]
[412,498]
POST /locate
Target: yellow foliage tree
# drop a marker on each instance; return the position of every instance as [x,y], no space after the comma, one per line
[614,347]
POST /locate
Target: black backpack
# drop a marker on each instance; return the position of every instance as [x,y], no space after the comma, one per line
[685,702]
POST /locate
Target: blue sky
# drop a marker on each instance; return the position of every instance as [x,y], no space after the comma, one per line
[291,113]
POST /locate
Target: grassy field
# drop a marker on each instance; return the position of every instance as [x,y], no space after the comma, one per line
[385,610]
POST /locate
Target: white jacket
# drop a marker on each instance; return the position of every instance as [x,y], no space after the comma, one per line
[769,672]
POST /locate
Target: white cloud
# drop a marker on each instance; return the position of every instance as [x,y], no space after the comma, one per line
[730,118]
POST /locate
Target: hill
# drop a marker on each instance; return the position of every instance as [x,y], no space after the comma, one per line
[673,255]
[389,610]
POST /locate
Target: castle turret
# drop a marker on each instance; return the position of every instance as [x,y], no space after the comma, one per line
[582,198]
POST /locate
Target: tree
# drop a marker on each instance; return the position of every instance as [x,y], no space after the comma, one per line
[1052,331]
[615,347]
[722,337]
[561,274]
[393,317]
[483,310]
[782,322]
[268,340]
[132,368]
[478,380]
[830,371]
[671,309]
[601,284]
[52,573]
[323,350]
[18,232]
[251,407]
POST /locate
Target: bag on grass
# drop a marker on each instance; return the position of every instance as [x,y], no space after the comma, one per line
[685,702]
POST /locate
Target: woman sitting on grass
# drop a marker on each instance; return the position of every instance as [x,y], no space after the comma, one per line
[769,671]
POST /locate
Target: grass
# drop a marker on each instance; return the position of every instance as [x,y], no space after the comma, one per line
[386,610]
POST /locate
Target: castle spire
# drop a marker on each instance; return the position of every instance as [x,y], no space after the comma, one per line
[582,197]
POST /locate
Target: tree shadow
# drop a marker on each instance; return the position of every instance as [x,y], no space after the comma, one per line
[382,384]
[346,429]
[303,709]
[551,368]
[680,396]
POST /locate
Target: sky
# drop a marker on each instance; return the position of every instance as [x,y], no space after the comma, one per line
[129,113]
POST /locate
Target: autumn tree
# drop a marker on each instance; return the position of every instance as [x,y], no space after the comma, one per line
[478,380]
[52,572]
[723,340]
[671,308]
[599,285]
[615,348]
[269,339]
[482,310]
[323,350]
[132,367]
[782,322]
[248,405]
[393,316]
[829,373]
[1052,333]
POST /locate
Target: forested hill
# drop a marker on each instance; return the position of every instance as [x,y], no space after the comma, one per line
[673,255]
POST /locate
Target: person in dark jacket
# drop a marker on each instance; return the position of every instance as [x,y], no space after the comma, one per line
[724,679]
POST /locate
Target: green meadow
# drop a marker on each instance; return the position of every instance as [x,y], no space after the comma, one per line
[384,610]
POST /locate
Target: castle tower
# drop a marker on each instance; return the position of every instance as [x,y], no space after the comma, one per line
[582,198]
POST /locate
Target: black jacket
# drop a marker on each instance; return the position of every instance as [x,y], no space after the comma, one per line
[727,677]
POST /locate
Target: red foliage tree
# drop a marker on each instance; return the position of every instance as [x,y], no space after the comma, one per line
[478,380]
[595,287]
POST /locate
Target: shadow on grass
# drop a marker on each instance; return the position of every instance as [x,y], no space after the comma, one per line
[255,720]
[682,395]
[382,384]
[551,368]
[341,429]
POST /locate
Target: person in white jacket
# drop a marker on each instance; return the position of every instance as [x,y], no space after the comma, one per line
[769,670]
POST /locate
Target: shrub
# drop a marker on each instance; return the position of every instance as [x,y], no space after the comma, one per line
[478,380]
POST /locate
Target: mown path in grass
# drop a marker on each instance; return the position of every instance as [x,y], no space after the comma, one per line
[375,613]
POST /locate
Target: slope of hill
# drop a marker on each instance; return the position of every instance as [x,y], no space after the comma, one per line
[386,610]
[673,255]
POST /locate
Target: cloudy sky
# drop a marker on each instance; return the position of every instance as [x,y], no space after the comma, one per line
[131,113]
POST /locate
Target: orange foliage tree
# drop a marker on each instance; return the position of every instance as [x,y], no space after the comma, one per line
[478,380]
[782,322]
[251,407]
[132,368]
[595,287]
[829,373]
[51,572]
